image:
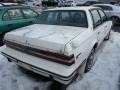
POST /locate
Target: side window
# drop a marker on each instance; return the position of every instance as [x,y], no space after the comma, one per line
[29,13]
[6,17]
[103,16]
[96,18]
[15,14]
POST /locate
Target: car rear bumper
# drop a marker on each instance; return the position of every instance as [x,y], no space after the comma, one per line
[62,79]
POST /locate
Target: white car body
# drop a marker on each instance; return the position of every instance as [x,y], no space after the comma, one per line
[65,40]
[115,12]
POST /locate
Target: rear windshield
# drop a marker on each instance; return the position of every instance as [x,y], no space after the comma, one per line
[106,8]
[65,18]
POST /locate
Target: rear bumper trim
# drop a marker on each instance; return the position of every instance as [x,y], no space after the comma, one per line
[59,78]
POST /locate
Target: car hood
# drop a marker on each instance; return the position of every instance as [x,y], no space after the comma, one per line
[45,37]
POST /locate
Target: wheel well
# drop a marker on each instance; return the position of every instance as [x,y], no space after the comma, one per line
[95,46]
[115,16]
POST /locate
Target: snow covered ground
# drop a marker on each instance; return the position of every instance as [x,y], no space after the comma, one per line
[103,76]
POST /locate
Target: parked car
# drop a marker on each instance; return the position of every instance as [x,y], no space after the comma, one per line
[13,17]
[62,45]
[49,3]
[7,4]
[33,2]
[113,2]
[119,4]
[67,4]
[111,11]
[88,3]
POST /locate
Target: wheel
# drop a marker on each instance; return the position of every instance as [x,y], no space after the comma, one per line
[108,36]
[1,39]
[90,61]
[115,20]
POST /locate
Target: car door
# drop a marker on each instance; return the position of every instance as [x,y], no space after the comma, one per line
[30,16]
[13,19]
[106,23]
[98,26]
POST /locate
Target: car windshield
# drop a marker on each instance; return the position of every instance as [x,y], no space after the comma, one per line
[75,18]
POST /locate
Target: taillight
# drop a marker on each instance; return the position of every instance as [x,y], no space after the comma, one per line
[55,57]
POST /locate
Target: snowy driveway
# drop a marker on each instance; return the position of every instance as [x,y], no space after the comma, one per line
[103,76]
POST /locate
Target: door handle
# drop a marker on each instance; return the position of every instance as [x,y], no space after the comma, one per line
[9,25]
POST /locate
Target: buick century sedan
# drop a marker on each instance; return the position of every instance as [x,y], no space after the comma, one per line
[62,45]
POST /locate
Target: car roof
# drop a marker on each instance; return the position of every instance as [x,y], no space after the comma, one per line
[73,8]
[105,5]
[13,6]
[115,8]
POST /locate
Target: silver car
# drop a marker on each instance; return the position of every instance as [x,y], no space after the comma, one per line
[111,11]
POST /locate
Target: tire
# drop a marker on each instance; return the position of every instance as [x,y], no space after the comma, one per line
[107,37]
[116,20]
[1,39]
[90,61]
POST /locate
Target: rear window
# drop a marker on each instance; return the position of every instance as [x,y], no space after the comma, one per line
[13,14]
[65,18]
[28,13]
[107,8]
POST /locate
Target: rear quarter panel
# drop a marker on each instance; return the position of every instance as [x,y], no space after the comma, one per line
[82,45]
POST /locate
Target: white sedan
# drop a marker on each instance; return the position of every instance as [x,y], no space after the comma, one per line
[62,45]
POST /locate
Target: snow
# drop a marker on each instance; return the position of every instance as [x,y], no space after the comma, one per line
[103,76]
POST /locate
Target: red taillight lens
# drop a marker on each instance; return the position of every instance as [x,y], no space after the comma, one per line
[59,58]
